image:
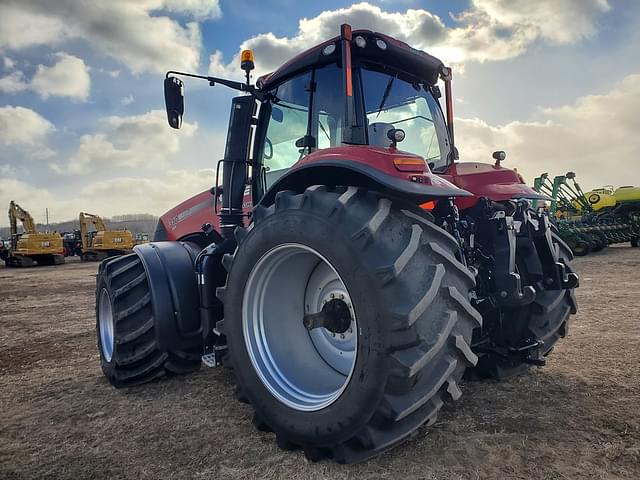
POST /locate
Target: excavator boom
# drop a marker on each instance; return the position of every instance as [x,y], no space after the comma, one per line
[16,212]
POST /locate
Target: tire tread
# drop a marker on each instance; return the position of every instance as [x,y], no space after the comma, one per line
[136,358]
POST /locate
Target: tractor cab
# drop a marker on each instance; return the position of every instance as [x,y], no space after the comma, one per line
[361,106]
[389,101]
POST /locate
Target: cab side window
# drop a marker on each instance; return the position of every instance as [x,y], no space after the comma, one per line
[306,115]
[328,107]
[287,125]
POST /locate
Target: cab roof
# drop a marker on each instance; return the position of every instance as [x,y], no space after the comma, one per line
[397,56]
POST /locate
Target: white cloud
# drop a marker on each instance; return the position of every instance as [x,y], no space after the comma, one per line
[69,77]
[13,83]
[7,170]
[128,100]
[8,63]
[557,21]
[126,142]
[22,27]
[149,195]
[597,137]
[488,30]
[124,194]
[133,32]
[35,199]
[199,9]
[21,126]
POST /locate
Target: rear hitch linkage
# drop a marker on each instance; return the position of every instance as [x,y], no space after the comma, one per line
[508,285]
[535,232]
[530,352]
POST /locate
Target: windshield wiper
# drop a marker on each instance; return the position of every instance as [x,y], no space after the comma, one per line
[324,131]
[387,89]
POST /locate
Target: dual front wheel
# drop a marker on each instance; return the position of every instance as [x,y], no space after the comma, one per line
[125,327]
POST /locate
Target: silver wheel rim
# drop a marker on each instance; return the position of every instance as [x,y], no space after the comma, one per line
[305,370]
[105,321]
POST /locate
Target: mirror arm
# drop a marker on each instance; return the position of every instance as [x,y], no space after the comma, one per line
[243,87]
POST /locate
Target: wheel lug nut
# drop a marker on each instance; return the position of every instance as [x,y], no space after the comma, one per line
[342,336]
[341,297]
[332,296]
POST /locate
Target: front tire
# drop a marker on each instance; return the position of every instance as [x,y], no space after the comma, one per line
[411,321]
[129,353]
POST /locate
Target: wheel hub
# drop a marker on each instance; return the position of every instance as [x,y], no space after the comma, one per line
[334,316]
[336,348]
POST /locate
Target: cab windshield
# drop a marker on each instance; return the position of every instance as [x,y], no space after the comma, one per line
[393,102]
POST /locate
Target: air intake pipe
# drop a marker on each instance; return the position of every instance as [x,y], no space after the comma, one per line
[235,163]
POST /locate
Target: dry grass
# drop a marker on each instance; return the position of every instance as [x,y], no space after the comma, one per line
[579,417]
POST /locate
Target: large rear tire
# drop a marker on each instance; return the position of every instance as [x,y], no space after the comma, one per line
[129,353]
[546,320]
[411,321]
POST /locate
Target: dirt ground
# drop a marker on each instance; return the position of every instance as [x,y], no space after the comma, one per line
[578,417]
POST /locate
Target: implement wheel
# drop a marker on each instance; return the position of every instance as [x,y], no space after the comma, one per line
[398,323]
[580,245]
[125,327]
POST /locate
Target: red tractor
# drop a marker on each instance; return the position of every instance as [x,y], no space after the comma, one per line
[348,268]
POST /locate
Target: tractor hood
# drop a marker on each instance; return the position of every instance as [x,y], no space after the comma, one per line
[187,218]
[492,181]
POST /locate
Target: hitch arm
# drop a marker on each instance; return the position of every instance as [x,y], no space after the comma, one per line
[509,290]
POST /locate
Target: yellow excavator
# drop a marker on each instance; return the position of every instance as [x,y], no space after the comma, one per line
[31,247]
[102,243]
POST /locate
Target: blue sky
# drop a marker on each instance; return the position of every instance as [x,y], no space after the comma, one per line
[556,83]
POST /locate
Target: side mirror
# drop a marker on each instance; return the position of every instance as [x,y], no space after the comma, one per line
[174,101]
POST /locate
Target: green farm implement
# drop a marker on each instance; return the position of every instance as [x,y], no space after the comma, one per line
[589,222]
